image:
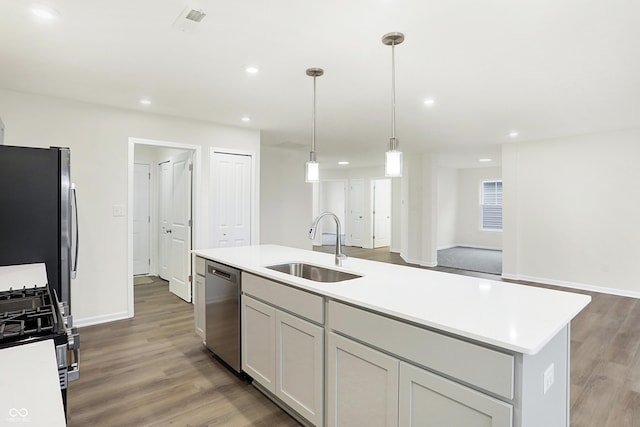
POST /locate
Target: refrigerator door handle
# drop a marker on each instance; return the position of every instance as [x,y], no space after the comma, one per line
[74,267]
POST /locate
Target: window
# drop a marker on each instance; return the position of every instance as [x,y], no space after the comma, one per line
[491,205]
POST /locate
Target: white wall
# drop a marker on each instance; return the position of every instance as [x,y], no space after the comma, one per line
[572,211]
[98,138]
[419,214]
[286,200]
[468,232]
[447,186]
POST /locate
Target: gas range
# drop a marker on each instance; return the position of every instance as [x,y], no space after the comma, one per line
[34,314]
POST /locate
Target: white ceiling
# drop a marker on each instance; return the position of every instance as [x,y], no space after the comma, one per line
[546,68]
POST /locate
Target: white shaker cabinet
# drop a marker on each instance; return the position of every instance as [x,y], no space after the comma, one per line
[300,365]
[362,383]
[258,342]
[199,298]
[430,400]
[283,352]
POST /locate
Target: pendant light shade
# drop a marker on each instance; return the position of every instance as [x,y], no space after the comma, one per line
[393,156]
[312,168]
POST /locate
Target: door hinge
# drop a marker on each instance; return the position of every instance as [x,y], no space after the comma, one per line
[149,176]
[190,167]
[149,219]
[189,223]
[149,261]
[190,278]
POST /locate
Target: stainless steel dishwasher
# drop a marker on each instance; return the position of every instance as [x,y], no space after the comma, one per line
[222,310]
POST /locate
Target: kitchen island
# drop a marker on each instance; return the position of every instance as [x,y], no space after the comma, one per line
[401,345]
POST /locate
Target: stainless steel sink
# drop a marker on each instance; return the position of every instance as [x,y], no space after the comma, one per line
[313,272]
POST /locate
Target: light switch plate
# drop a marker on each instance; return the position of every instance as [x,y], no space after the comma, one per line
[119,210]
[548,378]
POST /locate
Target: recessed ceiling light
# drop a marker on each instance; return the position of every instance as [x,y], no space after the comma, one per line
[343,162]
[145,101]
[246,119]
[429,102]
[251,69]
[513,134]
[44,12]
[485,160]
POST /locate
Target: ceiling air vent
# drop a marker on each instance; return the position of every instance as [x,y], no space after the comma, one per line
[188,20]
[196,15]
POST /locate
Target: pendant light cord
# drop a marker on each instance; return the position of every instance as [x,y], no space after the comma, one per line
[393,91]
[313,119]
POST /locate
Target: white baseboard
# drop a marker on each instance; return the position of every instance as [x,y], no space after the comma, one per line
[394,250]
[88,321]
[573,285]
[447,247]
[492,248]
[417,262]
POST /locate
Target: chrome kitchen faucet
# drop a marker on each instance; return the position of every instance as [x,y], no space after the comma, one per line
[312,234]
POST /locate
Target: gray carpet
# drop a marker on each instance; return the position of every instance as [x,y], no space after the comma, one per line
[482,260]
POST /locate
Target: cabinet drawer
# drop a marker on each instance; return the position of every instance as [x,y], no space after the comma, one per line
[200,266]
[301,303]
[482,367]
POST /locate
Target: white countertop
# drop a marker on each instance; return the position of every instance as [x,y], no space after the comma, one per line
[30,391]
[515,317]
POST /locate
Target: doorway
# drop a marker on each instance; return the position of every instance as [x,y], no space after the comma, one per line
[182,177]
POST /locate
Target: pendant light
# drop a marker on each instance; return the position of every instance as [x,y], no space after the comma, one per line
[312,170]
[393,156]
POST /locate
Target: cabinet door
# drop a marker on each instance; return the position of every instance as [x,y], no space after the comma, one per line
[299,366]
[428,400]
[363,385]
[199,306]
[258,342]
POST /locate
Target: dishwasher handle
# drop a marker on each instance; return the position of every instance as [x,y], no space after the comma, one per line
[222,274]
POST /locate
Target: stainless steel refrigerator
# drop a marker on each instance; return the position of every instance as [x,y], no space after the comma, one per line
[38,213]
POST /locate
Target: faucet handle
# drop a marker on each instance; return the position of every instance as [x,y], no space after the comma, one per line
[340,258]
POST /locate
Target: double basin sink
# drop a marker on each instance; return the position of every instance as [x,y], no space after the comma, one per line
[313,272]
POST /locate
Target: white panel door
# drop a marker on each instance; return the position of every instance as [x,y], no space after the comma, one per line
[230,199]
[141,218]
[180,252]
[164,217]
[381,212]
[356,212]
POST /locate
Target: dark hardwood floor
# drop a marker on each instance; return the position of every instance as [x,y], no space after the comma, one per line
[153,371]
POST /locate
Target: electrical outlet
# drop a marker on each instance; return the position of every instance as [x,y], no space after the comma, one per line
[548,378]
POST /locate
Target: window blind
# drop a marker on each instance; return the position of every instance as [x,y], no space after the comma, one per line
[491,205]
